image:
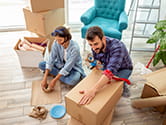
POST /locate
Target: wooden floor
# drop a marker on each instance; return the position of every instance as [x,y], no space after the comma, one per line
[15,91]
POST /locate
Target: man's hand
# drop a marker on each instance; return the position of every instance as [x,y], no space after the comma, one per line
[87,97]
[99,65]
[90,94]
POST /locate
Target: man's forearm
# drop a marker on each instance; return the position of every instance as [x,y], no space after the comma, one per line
[101,83]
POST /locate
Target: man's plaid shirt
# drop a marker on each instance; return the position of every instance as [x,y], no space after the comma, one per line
[115,57]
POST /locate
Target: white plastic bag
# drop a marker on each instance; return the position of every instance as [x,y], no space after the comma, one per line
[137,74]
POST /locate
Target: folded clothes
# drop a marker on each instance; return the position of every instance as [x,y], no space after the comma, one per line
[29,46]
[39,112]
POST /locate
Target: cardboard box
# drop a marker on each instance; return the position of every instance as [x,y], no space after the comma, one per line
[107,121]
[100,107]
[155,86]
[30,58]
[44,23]
[164,122]
[45,5]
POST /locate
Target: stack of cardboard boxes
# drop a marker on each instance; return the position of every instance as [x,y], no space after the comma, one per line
[41,18]
[100,110]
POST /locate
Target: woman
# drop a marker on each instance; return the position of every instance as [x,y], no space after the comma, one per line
[64,62]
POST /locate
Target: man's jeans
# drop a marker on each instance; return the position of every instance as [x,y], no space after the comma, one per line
[125,73]
[72,79]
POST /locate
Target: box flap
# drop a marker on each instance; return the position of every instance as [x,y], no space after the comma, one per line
[16,46]
[45,5]
[37,39]
[157,80]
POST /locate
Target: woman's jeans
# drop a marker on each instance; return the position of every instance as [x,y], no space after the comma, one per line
[72,79]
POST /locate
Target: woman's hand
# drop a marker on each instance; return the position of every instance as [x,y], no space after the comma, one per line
[52,84]
[88,96]
[49,87]
[43,84]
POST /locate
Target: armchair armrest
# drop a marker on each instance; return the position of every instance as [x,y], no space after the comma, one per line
[87,17]
[123,21]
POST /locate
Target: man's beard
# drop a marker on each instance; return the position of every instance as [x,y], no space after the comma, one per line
[100,49]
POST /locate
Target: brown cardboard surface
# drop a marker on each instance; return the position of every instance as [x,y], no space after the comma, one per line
[100,106]
[39,97]
[164,122]
[108,118]
[44,23]
[107,121]
[155,86]
[30,58]
[149,102]
[45,5]
[157,80]
[73,121]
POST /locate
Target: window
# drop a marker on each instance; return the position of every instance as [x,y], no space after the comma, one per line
[76,8]
[11,13]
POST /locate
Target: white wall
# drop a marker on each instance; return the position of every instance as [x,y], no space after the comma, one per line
[162,10]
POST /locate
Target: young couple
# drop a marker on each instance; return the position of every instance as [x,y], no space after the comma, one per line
[65,61]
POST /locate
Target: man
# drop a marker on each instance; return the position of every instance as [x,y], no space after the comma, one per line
[114,57]
[64,62]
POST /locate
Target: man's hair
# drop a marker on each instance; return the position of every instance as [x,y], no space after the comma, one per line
[94,31]
[62,31]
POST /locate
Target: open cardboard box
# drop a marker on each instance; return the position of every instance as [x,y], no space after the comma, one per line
[30,58]
[45,5]
[155,86]
[100,107]
[44,23]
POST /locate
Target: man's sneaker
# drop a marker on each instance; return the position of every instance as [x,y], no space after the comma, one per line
[126,91]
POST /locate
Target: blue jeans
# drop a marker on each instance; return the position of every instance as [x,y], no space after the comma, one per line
[125,73]
[72,79]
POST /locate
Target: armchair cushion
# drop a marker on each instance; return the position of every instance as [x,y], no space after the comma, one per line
[110,27]
[88,16]
[123,21]
[110,9]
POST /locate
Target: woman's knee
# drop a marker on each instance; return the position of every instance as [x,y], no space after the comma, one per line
[72,80]
[42,65]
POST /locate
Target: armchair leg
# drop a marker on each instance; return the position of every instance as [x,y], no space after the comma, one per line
[84,42]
